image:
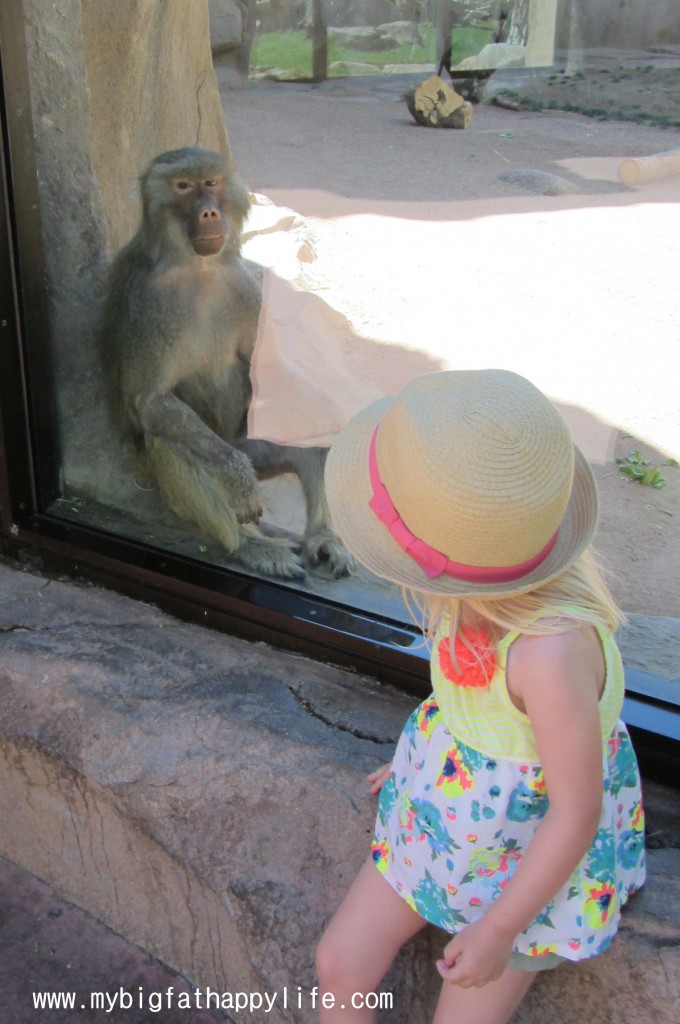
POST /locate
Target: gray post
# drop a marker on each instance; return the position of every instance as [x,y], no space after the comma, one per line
[319,42]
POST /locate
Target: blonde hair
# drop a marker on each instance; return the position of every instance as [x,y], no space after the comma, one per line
[579,596]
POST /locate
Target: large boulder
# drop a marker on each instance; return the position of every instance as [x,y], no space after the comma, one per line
[359,37]
[111,87]
[492,56]
[204,797]
[379,37]
[401,32]
[370,12]
[226,24]
[232,30]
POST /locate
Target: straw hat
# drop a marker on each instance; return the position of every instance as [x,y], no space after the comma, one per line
[465,483]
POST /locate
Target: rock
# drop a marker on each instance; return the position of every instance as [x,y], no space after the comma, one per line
[353,67]
[406,69]
[203,796]
[274,73]
[383,37]
[98,122]
[232,30]
[183,108]
[230,78]
[435,104]
[226,25]
[494,55]
[400,32]
[277,238]
[34,921]
[539,183]
[507,102]
[360,37]
[369,12]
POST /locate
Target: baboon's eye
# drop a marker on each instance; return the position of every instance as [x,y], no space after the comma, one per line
[182,185]
[211,182]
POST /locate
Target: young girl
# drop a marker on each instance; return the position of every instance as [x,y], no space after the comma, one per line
[510,815]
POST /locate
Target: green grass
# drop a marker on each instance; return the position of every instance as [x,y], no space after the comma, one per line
[291,52]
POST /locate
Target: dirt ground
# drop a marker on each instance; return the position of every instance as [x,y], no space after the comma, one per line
[426,231]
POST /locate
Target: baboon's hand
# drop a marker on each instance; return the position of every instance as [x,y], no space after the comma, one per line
[241,484]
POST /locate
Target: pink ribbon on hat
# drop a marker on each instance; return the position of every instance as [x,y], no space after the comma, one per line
[433,562]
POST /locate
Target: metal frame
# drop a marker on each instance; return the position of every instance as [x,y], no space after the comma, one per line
[214,597]
[38,434]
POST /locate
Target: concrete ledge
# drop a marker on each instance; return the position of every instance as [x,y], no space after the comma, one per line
[203,797]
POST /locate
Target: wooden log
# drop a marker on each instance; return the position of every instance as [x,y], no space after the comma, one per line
[637,170]
[435,104]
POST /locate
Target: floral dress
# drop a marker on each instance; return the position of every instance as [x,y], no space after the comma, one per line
[466,795]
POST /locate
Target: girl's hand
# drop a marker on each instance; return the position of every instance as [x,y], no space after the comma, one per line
[377,779]
[475,956]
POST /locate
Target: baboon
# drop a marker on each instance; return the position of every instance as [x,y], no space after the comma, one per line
[178,329]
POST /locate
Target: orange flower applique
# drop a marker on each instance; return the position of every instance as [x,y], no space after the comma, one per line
[477,666]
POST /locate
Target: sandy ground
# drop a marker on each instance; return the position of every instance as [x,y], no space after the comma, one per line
[425,248]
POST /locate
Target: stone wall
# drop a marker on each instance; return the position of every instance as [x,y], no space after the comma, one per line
[205,798]
[149,74]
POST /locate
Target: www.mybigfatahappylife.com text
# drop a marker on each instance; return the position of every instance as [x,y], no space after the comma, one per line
[289,997]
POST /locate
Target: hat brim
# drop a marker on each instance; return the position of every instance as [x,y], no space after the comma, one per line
[348,489]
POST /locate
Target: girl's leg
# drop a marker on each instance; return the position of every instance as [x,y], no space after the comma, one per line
[494,1003]
[371,925]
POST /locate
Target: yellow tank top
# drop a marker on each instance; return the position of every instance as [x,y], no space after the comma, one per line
[486,718]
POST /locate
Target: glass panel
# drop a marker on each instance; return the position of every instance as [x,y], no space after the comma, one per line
[366,39]
[540,235]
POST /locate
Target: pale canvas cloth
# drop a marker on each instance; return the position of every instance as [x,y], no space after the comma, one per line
[311,370]
[378,303]
[305,385]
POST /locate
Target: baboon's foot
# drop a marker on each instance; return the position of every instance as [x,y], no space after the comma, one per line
[325,546]
[269,555]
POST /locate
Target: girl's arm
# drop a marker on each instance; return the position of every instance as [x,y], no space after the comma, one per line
[377,779]
[558,679]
